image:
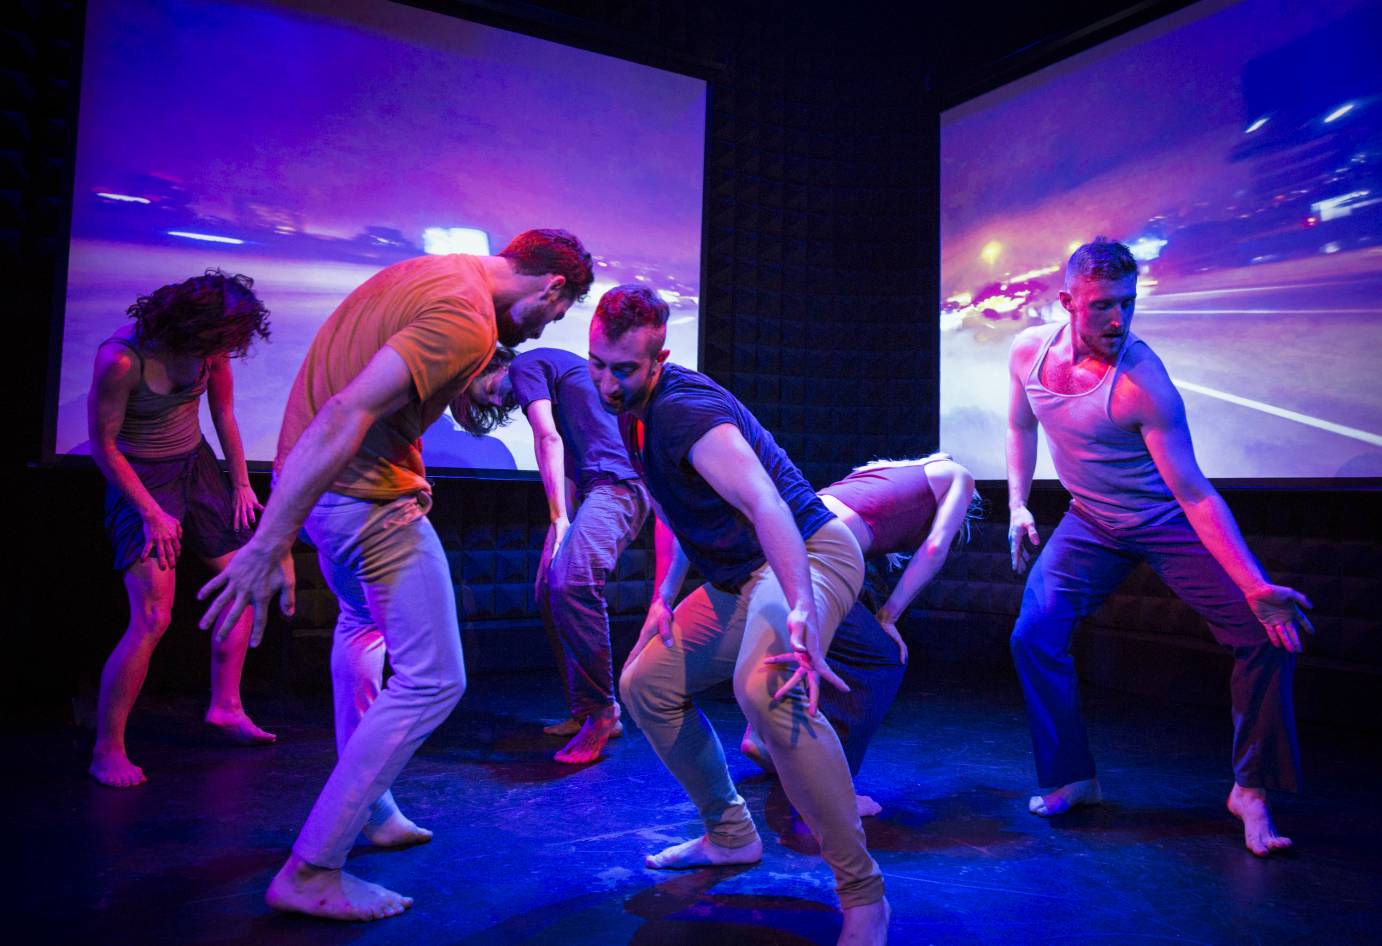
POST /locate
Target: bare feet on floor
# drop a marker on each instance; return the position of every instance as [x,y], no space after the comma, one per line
[396,832]
[756,751]
[1249,805]
[112,767]
[237,728]
[298,887]
[567,727]
[866,925]
[703,852]
[1084,792]
[587,744]
[866,806]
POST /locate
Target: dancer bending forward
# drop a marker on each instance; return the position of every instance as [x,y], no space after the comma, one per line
[893,507]
[782,572]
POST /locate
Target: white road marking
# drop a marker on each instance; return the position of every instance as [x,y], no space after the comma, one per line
[1282,412]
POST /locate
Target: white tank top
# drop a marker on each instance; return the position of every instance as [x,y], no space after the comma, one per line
[1106,468]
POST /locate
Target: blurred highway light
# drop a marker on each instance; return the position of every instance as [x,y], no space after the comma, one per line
[439,241]
[204,237]
[123,198]
[1338,113]
[1255,125]
[1341,206]
[989,254]
[1145,249]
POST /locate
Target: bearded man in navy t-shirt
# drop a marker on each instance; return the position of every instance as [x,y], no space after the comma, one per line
[781,570]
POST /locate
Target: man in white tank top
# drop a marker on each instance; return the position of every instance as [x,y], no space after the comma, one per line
[1116,427]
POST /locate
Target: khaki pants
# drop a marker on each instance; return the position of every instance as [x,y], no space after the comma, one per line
[718,636]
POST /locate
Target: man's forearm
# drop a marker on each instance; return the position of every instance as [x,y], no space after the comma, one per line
[669,563]
[784,549]
[1214,524]
[1021,449]
[321,453]
[551,467]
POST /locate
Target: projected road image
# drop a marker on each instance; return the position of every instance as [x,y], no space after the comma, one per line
[382,132]
[108,276]
[1237,149]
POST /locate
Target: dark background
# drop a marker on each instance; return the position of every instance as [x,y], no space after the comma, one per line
[818,312]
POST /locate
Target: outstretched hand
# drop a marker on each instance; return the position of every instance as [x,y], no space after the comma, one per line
[810,662]
[250,581]
[1279,610]
[1021,526]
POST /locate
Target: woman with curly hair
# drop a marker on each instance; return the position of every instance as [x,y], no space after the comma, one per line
[165,488]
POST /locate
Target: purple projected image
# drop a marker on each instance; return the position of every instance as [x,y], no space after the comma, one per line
[1237,149]
[309,143]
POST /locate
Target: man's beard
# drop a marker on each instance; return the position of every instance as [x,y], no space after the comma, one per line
[510,332]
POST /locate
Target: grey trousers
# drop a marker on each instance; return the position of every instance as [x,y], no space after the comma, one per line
[387,568]
[571,590]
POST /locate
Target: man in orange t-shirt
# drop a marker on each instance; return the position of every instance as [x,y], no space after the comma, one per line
[350,475]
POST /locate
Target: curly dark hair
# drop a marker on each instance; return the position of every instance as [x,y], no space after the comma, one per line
[212,314]
[554,252]
[482,418]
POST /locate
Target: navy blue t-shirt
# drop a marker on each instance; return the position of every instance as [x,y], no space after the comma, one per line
[589,433]
[719,541]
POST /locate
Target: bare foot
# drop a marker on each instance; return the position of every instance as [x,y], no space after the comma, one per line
[567,727]
[866,806]
[756,751]
[298,887]
[866,925]
[587,744]
[396,832]
[115,769]
[236,727]
[1084,792]
[703,852]
[1249,805]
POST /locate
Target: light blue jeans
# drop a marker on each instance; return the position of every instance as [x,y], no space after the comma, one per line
[386,566]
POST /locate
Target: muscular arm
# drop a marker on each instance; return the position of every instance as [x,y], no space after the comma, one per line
[726,461]
[325,447]
[1158,410]
[220,394]
[114,378]
[950,518]
[1021,450]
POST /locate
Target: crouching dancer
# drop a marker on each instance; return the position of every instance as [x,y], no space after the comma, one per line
[380,370]
[782,571]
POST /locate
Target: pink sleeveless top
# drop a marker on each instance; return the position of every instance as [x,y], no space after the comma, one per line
[895,502]
[1106,468]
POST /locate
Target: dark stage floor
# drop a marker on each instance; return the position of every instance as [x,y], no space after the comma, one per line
[529,851]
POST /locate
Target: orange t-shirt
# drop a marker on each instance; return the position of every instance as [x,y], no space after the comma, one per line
[437,313]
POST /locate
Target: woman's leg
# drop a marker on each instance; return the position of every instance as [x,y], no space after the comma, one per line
[150,592]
